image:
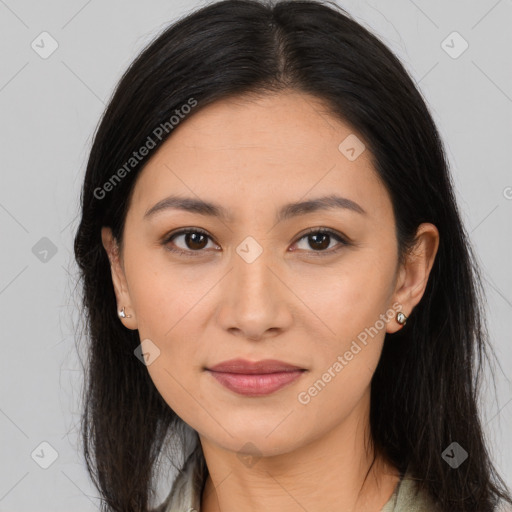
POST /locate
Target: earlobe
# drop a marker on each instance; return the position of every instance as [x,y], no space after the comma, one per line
[124,310]
[414,273]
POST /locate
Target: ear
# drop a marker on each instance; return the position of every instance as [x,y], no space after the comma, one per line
[414,272]
[118,278]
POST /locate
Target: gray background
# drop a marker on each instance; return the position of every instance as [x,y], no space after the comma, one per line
[49,110]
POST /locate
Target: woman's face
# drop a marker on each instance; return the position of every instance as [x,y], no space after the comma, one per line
[251,283]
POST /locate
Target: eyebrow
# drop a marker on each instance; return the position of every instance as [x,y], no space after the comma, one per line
[193,205]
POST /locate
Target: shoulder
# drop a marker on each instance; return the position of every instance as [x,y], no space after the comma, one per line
[185,495]
[409,497]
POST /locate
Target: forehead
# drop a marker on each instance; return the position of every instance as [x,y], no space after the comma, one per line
[277,121]
[262,148]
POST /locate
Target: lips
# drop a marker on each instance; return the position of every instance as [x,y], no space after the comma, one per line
[255,378]
[250,367]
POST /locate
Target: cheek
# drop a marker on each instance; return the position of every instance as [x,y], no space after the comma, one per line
[352,305]
[163,295]
[353,298]
[357,334]
[345,361]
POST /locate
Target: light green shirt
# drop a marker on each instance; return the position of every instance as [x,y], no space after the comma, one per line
[185,495]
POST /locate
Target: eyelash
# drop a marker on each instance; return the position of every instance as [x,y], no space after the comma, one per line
[321,231]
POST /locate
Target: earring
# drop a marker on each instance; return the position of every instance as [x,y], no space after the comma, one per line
[122,314]
[401,318]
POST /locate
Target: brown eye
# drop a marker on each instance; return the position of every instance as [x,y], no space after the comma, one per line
[320,240]
[188,241]
[195,241]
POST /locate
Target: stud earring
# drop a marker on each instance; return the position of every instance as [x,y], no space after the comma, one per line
[401,318]
[122,314]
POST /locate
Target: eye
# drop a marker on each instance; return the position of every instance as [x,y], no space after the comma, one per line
[320,239]
[194,240]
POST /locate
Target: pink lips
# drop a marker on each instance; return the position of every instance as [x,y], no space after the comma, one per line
[255,378]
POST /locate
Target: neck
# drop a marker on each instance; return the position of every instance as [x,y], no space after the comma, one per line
[333,473]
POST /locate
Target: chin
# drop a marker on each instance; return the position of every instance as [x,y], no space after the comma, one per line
[258,443]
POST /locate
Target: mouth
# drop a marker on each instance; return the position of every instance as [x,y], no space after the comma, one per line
[258,378]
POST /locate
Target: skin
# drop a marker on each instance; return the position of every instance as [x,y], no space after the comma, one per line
[252,155]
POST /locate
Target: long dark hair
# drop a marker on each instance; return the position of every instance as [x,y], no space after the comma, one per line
[424,392]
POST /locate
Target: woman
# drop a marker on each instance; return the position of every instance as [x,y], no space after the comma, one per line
[277,284]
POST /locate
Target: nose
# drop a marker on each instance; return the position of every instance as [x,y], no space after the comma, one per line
[255,302]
